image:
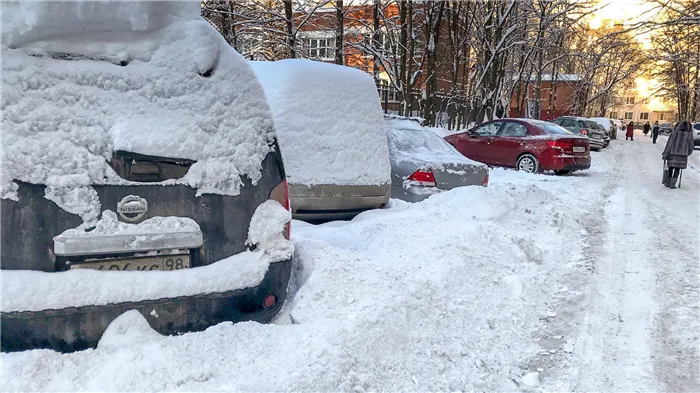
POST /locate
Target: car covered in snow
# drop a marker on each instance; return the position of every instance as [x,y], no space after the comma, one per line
[607,124]
[524,144]
[423,164]
[331,133]
[140,171]
[696,133]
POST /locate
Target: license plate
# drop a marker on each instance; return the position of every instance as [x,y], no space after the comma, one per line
[164,262]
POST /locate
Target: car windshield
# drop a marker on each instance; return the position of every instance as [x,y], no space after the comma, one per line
[550,128]
[417,142]
[697,126]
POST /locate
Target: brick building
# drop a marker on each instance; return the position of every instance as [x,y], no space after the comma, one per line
[557,97]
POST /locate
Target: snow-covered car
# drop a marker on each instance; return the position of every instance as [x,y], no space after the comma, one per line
[140,171]
[607,124]
[331,133]
[696,133]
[423,164]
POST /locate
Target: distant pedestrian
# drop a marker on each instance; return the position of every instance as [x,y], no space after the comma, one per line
[647,127]
[679,146]
[630,131]
[655,131]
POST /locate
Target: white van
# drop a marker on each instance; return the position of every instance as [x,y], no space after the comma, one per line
[331,133]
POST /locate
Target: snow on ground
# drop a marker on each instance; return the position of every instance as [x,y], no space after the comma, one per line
[534,282]
[329,122]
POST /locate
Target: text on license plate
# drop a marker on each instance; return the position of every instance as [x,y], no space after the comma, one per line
[164,262]
[579,149]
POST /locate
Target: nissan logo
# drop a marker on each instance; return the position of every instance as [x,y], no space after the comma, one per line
[132,208]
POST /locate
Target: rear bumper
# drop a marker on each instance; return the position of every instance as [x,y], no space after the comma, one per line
[568,163]
[327,202]
[596,143]
[78,328]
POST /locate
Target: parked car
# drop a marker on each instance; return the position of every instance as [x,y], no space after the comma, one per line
[619,127]
[696,133]
[331,132]
[527,145]
[585,127]
[607,124]
[665,128]
[178,171]
[423,164]
[597,127]
[638,125]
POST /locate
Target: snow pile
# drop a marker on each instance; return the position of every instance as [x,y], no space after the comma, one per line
[329,122]
[442,295]
[146,77]
[27,21]
[409,142]
[109,224]
[266,226]
[27,290]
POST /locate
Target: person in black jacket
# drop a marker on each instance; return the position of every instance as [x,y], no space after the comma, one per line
[655,131]
[647,126]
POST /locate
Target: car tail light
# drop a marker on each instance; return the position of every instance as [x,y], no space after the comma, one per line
[269,301]
[561,145]
[485,182]
[584,132]
[281,194]
[423,178]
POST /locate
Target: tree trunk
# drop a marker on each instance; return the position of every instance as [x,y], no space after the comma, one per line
[375,41]
[289,21]
[403,42]
[339,32]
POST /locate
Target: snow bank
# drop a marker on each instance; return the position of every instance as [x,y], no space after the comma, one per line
[409,142]
[442,295]
[146,77]
[329,122]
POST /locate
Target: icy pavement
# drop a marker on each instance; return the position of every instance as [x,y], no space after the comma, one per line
[579,283]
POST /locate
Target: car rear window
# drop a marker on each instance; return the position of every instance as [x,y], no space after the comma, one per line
[417,141]
[593,125]
[697,126]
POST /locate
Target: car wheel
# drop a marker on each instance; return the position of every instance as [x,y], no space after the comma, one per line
[562,172]
[528,163]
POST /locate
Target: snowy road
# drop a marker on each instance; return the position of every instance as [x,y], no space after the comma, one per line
[641,327]
[581,283]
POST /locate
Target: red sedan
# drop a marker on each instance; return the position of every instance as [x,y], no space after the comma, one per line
[525,144]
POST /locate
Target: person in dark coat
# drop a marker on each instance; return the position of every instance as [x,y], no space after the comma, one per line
[679,146]
[655,131]
[630,131]
[647,126]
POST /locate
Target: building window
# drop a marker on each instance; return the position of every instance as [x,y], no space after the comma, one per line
[387,93]
[662,117]
[321,48]
[613,115]
[644,116]
[628,115]
[629,100]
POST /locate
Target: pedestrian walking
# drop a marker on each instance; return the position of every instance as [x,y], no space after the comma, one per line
[679,146]
[655,131]
[630,131]
[647,127]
